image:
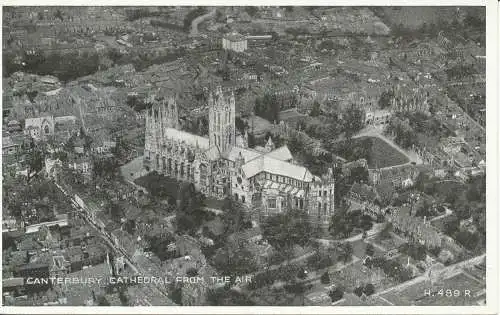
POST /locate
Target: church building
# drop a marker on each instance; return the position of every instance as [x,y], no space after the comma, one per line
[265,179]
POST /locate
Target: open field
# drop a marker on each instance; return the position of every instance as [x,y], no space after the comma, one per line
[379,155]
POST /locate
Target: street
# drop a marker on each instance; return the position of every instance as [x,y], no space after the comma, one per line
[149,290]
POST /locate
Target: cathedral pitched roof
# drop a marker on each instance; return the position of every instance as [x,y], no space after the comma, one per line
[282,154]
[277,167]
[188,138]
[248,154]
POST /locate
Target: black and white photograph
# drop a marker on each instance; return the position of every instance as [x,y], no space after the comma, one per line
[245,156]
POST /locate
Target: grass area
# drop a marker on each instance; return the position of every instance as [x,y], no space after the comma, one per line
[383,155]
[380,154]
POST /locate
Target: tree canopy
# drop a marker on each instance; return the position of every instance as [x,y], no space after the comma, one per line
[284,230]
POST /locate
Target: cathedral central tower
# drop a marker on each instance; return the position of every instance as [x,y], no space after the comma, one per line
[221,116]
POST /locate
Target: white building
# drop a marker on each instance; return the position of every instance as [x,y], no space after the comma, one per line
[235,42]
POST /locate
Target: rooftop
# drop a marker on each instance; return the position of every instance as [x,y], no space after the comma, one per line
[234,37]
[274,166]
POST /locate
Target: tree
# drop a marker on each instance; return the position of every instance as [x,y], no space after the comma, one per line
[106,168]
[369,289]
[268,107]
[159,245]
[227,297]
[302,274]
[58,15]
[234,216]
[115,212]
[234,260]
[286,229]
[340,224]
[189,213]
[358,291]
[35,162]
[325,278]
[191,272]
[124,299]
[336,294]
[102,301]
[385,99]
[316,109]
[354,121]
[176,294]
[359,174]
[370,250]
[347,251]
[130,227]
[385,233]
[252,11]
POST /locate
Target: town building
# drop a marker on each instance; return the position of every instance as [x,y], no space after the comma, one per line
[39,128]
[234,42]
[264,181]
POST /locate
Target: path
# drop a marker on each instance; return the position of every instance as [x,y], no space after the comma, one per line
[448,212]
[377,227]
[377,132]
[198,20]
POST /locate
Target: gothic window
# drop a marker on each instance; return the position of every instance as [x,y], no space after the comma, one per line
[236,197]
[271,203]
[182,169]
[169,165]
[46,129]
[324,208]
[243,199]
[319,207]
[203,173]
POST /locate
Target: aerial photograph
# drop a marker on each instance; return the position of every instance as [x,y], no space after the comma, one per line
[244,156]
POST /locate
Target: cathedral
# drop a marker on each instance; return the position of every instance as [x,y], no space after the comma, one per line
[264,179]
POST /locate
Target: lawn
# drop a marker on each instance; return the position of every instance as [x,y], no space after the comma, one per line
[380,154]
